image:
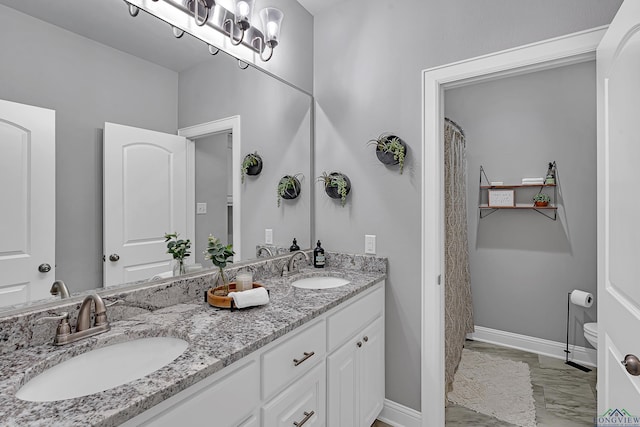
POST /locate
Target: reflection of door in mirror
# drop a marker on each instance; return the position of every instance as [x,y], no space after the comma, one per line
[27,217]
[145,196]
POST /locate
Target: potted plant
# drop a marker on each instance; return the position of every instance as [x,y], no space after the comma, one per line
[251,165]
[219,255]
[288,187]
[337,185]
[179,249]
[390,149]
[541,199]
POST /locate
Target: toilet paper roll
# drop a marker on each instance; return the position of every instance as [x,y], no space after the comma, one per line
[581,298]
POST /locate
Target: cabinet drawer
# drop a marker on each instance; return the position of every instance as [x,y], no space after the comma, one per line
[354,317]
[303,402]
[292,358]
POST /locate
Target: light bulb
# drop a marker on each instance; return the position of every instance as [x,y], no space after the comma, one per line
[242,9]
[272,30]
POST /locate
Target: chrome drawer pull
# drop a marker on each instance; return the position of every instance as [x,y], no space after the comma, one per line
[296,362]
[307,415]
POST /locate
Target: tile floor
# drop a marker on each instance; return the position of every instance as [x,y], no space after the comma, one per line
[564,396]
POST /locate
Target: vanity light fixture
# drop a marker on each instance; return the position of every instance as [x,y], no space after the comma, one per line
[235,24]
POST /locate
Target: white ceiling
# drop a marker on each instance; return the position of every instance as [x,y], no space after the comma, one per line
[315,6]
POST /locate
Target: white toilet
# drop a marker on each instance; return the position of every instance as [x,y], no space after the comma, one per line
[591,333]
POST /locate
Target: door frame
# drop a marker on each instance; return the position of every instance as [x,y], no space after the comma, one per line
[565,50]
[228,124]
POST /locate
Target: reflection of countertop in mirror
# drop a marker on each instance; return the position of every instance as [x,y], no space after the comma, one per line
[216,339]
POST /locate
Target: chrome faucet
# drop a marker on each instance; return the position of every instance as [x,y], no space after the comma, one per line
[265,249]
[290,265]
[83,325]
[59,288]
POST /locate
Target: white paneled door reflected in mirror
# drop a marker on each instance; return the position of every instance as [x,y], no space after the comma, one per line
[134,72]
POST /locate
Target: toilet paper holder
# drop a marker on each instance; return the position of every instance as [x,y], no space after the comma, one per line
[566,360]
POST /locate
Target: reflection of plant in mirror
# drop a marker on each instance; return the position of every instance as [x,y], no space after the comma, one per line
[338,181]
[178,248]
[219,255]
[251,159]
[288,187]
[388,143]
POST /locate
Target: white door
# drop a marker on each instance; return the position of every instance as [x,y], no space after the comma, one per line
[145,196]
[27,194]
[618,64]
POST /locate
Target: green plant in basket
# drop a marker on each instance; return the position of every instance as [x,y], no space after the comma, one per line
[219,255]
[541,198]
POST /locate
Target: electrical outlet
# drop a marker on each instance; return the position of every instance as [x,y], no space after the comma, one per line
[370,244]
[201,208]
[268,236]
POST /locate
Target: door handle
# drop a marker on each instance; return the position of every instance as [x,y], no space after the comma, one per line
[632,364]
[44,268]
[114,257]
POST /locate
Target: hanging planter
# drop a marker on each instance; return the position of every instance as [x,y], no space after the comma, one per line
[337,185]
[289,187]
[251,165]
[390,149]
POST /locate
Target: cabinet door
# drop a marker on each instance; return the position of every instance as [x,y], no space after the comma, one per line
[371,372]
[342,378]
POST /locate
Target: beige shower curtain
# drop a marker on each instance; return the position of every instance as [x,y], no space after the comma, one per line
[457,294]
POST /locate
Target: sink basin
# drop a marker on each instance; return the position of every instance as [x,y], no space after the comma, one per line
[102,369]
[320,282]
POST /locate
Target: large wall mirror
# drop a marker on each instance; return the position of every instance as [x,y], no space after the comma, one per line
[93,64]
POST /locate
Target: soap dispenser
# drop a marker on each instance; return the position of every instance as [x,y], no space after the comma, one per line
[294,247]
[318,256]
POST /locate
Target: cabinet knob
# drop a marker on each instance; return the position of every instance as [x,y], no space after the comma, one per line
[359,343]
[114,257]
[365,339]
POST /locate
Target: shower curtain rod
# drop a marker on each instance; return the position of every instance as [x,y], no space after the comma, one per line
[454,124]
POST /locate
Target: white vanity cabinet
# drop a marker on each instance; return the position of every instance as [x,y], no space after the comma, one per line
[291,381]
[355,370]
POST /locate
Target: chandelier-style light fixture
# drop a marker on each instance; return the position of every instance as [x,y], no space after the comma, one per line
[235,24]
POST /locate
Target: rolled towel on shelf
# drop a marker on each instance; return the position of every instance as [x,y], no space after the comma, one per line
[250,298]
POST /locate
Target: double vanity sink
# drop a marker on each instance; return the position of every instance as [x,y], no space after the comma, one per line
[110,378]
[108,367]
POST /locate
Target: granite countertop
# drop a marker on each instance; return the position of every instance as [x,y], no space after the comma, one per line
[216,339]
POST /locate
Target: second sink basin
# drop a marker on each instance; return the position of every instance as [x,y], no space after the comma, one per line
[102,369]
[320,282]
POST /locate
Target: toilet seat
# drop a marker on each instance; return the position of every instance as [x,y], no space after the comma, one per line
[591,333]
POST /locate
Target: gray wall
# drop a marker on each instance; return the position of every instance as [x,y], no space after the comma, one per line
[211,188]
[367,79]
[275,122]
[523,264]
[87,84]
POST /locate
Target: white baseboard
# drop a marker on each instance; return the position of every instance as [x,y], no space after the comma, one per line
[582,355]
[397,415]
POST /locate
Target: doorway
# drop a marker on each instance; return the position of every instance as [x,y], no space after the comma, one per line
[571,49]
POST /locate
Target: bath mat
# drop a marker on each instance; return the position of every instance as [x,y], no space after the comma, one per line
[496,387]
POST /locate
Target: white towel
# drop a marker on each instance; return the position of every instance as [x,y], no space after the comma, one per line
[532,179]
[250,298]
